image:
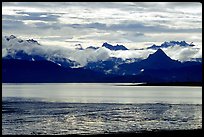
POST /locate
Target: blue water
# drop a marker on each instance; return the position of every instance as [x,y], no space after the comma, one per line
[98,108]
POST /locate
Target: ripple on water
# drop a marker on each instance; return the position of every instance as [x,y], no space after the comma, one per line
[38,117]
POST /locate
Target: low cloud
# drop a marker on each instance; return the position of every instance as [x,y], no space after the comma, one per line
[183,53]
[93,55]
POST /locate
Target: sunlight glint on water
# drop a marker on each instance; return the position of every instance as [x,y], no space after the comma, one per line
[98,108]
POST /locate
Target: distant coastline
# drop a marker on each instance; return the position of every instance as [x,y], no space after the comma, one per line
[197,84]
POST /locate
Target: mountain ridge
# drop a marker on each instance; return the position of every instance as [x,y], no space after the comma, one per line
[142,71]
[171,44]
[157,67]
[115,48]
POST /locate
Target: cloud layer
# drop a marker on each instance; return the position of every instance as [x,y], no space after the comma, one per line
[12,45]
[133,24]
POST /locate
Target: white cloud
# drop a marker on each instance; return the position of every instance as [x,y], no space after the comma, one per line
[59,26]
[91,55]
[58,19]
[127,54]
[198,54]
[183,53]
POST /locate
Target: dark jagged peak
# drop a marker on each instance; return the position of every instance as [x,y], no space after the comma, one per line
[106,45]
[78,47]
[154,47]
[10,37]
[191,44]
[159,55]
[92,47]
[170,44]
[111,47]
[32,41]
[180,43]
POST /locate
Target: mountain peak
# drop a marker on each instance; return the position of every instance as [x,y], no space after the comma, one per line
[92,47]
[105,44]
[10,37]
[171,44]
[111,47]
[159,60]
[159,55]
[32,41]
[78,47]
[160,52]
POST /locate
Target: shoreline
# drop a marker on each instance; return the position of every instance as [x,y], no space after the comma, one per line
[197,84]
[192,84]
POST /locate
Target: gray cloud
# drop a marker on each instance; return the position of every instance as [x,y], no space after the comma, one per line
[148,28]
[12,24]
[41,25]
[125,26]
[32,4]
[103,21]
[32,16]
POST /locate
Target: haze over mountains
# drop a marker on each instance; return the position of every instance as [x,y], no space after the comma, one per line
[28,61]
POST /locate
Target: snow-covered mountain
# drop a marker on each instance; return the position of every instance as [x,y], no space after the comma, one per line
[107,60]
[16,48]
[171,44]
[31,50]
[14,40]
[149,70]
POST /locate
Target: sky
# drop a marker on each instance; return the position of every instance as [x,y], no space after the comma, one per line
[133,24]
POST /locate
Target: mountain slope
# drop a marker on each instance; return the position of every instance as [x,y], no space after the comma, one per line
[157,60]
[28,61]
[15,71]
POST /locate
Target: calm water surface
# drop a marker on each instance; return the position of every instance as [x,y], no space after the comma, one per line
[81,108]
[105,93]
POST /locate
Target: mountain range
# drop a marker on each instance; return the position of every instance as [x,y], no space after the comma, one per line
[18,65]
[171,43]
